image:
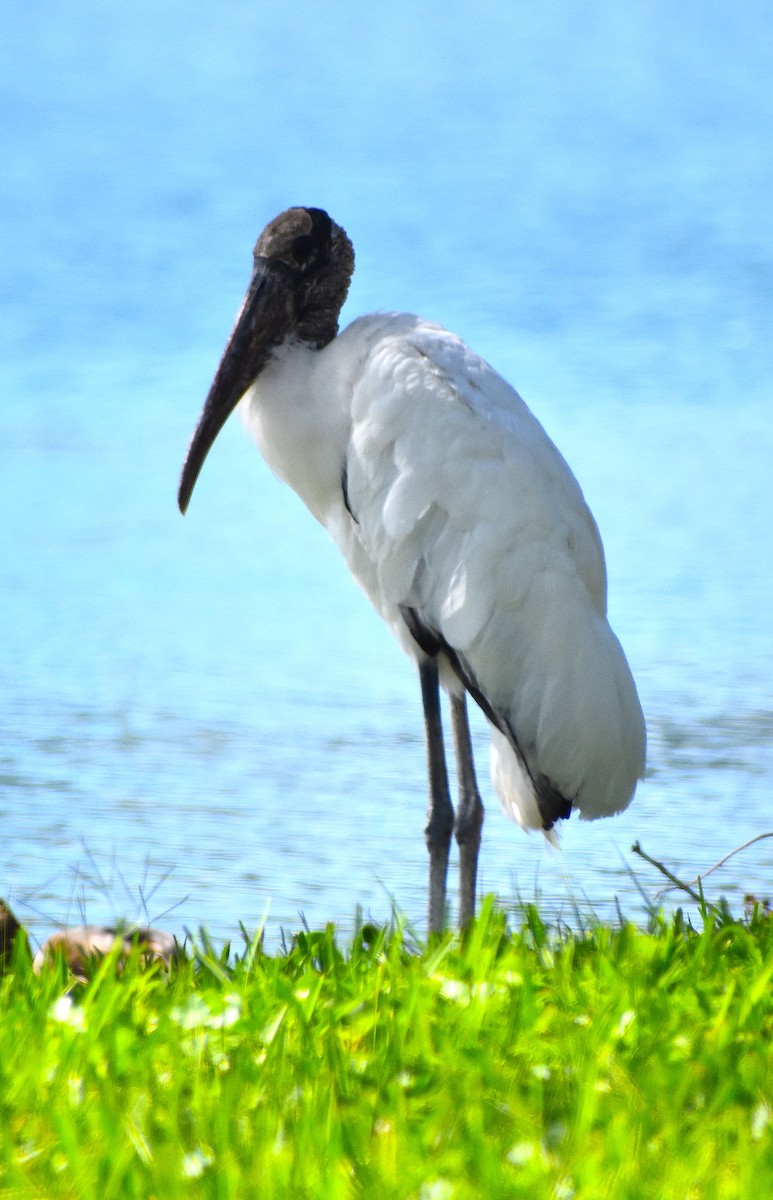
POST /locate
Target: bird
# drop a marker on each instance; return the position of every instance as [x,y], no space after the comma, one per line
[462,523]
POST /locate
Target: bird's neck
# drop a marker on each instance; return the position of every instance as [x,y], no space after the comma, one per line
[317,329]
[297,413]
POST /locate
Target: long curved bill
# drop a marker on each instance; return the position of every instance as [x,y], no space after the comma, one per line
[264,321]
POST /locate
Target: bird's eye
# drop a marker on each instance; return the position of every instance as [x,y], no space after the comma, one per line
[305,251]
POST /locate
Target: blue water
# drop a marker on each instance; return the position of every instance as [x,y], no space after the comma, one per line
[204,712]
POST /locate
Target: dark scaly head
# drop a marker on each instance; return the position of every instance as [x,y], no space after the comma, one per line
[303,267]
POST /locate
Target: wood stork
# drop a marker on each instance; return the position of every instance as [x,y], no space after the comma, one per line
[459,519]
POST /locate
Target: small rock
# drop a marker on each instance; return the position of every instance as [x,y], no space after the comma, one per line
[82,946]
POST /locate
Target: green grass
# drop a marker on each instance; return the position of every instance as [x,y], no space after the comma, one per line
[612,1063]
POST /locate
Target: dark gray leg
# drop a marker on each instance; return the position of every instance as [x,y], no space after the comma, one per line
[469,812]
[440,812]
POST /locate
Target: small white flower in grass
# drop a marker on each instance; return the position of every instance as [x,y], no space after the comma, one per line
[193,1014]
[196,1013]
[437,1189]
[622,1025]
[761,1118]
[195,1164]
[453,989]
[66,1012]
[521,1153]
[229,1016]
[540,1071]
[220,1060]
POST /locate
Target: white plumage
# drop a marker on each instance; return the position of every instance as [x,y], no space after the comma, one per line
[467,513]
[460,520]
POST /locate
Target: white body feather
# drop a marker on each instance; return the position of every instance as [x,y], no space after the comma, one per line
[467,513]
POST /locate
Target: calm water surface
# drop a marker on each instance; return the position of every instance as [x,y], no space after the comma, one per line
[205,712]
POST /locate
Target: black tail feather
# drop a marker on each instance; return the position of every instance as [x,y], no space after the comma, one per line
[552,805]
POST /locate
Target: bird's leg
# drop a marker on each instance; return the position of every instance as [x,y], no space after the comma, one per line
[469,812]
[440,812]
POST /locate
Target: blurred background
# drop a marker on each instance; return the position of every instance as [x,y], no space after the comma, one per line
[204,713]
